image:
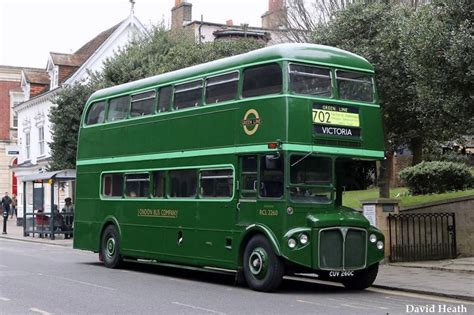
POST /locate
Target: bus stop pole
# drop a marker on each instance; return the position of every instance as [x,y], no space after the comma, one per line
[51,220]
[24,211]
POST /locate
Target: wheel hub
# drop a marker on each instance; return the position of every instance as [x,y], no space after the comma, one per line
[258,261]
[110,247]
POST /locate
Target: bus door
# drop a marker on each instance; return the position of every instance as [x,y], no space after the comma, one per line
[248,182]
[216,215]
[261,190]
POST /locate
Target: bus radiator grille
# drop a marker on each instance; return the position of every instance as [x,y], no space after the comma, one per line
[342,248]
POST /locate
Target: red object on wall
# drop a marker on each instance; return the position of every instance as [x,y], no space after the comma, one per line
[14,184]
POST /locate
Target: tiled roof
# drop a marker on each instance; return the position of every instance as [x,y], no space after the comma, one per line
[39,76]
[91,46]
[73,60]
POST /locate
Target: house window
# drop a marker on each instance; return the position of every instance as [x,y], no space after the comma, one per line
[15,115]
[27,145]
[41,140]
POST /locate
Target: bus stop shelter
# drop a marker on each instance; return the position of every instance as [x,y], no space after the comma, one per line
[42,219]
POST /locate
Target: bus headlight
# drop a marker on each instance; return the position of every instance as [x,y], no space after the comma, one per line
[380,245]
[372,238]
[291,243]
[304,239]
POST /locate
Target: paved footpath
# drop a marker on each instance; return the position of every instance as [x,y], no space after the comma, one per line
[452,278]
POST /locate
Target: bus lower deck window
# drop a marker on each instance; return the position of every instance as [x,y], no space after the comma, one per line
[158,184]
[112,185]
[136,185]
[183,183]
[216,183]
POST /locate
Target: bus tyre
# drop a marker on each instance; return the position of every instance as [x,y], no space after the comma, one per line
[110,248]
[263,269]
[362,279]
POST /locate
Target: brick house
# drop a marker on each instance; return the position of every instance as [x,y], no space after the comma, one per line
[11,95]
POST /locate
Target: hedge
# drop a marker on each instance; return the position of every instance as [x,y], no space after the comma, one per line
[437,177]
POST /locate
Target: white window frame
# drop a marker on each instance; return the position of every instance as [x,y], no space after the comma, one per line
[28,144]
[41,140]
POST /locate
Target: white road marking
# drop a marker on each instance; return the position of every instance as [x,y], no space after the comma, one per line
[314,303]
[418,296]
[80,282]
[198,308]
[37,310]
[357,307]
[4,299]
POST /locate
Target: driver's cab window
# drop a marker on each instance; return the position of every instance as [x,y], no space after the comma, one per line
[271,176]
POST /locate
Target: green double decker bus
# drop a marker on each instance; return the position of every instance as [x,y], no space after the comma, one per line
[234,164]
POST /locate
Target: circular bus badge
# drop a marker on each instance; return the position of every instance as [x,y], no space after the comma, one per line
[251,122]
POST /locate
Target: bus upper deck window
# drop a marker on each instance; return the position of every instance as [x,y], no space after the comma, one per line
[96,114]
[355,86]
[188,94]
[118,108]
[164,99]
[142,104]
[262,80]
[310,80]
[222,88]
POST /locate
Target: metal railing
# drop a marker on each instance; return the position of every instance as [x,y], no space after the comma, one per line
[422,236]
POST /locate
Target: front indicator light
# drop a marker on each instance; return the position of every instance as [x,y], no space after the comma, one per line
[291,243]
[380,245]
[304,239]
[372,238]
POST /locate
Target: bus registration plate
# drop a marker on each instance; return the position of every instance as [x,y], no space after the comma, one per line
[341,274]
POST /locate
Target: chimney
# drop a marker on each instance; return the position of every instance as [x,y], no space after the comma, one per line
[229,22]
[276,17]
[180,13]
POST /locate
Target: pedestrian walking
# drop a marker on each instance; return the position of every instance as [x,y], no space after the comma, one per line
[6,203]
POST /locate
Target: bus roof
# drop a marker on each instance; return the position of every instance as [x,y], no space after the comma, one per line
[320,54]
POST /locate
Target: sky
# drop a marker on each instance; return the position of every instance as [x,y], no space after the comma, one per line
[30,29]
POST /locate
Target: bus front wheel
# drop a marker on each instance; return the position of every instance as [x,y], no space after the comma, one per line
[362,279]
[110,248]
[263,269]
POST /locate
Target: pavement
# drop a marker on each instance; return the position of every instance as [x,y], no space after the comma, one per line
[453,278]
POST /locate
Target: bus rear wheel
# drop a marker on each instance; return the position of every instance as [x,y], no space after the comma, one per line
[263,269]
[110,248]
[362,279]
